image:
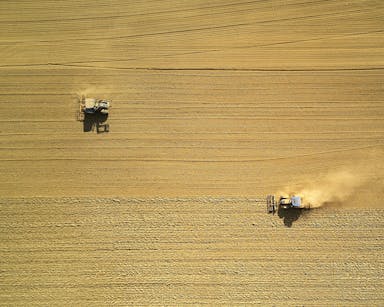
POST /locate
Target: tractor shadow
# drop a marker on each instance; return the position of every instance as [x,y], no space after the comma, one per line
[96,122]
[290,215]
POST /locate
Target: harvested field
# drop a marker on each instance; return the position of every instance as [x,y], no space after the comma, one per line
[214,105]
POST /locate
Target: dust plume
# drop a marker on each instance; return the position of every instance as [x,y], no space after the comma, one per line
[100,91]
[90,92]
[333,189]
[87,91]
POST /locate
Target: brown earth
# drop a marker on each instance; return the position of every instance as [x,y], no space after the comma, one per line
[187,251]
[220,100]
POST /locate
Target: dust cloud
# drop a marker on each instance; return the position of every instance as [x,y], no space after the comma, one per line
[100,91]
[88,91]
[334,189]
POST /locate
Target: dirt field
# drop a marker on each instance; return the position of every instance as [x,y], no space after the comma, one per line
[214,105]
[191,251]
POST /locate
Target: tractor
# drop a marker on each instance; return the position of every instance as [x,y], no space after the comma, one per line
[284,203]
[94,113]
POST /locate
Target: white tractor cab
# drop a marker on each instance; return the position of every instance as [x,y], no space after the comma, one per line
[285,203]
[92,106]
[290,202]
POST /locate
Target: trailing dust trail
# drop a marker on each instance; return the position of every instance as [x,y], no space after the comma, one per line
[334,189]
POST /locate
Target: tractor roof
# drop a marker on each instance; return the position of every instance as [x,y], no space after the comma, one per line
[296,201]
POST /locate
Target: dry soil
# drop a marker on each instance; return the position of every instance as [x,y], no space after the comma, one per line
[214,105]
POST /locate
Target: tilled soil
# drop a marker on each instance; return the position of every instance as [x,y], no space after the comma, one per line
[187,251]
